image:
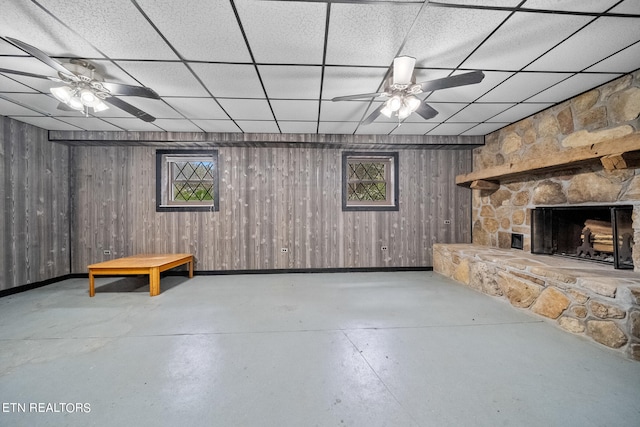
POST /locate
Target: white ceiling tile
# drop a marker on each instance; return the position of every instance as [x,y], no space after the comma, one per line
[251,126]
[345,128]
[132,124]
[48,123]
[45,32]
[166,78]
[289,82]
[298,127]
[230,80]
[627,6]
[519,112]
[339,81]
[571,5]
[8,84]
[484,129]
[524,37]
[376,128]
[109,17]
[621,62]
[91,123]
[199,23]
[343,111]
[197,108]
[9,108]
[472,92]
[217,125]
[479,112]
[368,34]
[590,45]
[176,125]
[247,109]
[571,87]
[451,128]
[408,128]
[296,110]
[444,37]
[522,86]
[284,32]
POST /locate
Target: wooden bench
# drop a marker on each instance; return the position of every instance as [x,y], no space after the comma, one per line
[151,264]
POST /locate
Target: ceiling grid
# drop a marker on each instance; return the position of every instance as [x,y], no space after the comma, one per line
[274,66]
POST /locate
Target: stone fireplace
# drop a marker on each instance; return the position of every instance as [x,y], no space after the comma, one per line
[572,167]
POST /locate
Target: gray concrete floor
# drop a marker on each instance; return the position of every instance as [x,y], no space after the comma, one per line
[339,349]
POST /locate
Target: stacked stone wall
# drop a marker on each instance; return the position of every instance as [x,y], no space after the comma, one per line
[605,113]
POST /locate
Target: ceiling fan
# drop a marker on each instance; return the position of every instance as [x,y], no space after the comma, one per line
[401,89]
[84,89]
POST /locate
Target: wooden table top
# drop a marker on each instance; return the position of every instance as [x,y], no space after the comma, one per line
[142,260]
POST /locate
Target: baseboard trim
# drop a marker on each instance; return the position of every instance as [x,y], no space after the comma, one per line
[30,286]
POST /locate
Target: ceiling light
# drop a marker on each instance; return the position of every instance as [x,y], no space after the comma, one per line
[404,112]
[62,93]
[76,103]
[386,111]
[394,103]
[412,103]
[89,98]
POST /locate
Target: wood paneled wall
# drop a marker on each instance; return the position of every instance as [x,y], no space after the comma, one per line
[270,198]
[34,201]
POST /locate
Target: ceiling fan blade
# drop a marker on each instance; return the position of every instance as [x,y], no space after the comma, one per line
[359,96]
[403,70]
[134,111]
[37,53]
[452,81]
[24,73]
[374,115]
[426,111]
[128,90]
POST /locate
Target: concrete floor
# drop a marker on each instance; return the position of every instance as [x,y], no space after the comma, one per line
[340,349]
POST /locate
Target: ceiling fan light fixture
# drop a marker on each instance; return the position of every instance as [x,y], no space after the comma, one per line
[62,93]
[412,103]
[89,98]
[404,112]
[394,103]
[386,111]
[76,103]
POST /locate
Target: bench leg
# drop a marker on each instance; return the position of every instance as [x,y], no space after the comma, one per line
[154,281]
[191,268]
[92,284]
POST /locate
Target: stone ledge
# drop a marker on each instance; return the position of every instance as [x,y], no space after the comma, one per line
[588,299]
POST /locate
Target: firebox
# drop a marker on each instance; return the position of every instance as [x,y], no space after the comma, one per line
[595,233]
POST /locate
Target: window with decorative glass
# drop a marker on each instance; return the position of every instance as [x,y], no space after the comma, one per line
[186,180]
[369,181]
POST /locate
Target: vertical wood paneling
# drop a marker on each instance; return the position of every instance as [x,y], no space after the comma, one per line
[270,198]
[34,192]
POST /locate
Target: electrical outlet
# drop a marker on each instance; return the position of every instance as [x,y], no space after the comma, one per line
[106,252]
[383,248]
[447,221]
[283,250]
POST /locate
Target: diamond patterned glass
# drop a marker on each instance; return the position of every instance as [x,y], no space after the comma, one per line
[367,181]
[193,181]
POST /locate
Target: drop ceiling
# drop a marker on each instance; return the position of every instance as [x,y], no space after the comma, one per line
[250,66]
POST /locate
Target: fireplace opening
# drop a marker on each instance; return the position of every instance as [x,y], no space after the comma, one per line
[593,233]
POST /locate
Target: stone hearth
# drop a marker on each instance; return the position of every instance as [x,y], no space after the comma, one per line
[586,299]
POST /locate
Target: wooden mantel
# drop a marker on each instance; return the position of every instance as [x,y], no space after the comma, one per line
[618,153]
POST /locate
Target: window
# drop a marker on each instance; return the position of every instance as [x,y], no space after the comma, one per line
[369,181]
[186,180]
